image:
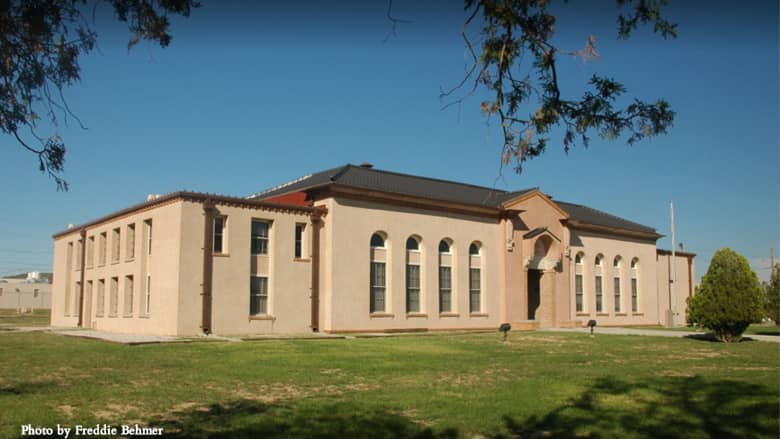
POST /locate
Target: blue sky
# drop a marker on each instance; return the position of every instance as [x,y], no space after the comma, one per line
[248,97]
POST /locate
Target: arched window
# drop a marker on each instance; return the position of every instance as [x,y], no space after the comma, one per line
[617,282]
[598,283]
[412,275]
[377,240]
[542,246]
[445,276]
[475,278]
[579,292]
[378,281]
[635,285]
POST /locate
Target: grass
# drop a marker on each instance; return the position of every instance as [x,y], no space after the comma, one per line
[549,384]
[754,329]
[9,317]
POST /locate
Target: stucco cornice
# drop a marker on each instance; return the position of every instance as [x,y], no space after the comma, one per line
[196,197]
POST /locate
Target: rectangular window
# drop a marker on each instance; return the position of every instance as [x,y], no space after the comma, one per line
[260,237]
[87,298]
[299,228]
[412,288]
[634,295]
[101,298]
[79,253]
[475,290]
[76,299]
[578,292]
[148,296]
[445,289]
[148,226]
[130,242]
[113,300]
[617,294]
[115,236]
[129,299]
[258,295]
[219,230]
[377,287]
[599,295]
[90,251]
[102,250]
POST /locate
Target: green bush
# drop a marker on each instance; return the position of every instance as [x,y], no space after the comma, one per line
[772,291]
[729,298]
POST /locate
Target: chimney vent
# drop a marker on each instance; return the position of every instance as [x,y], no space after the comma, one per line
[366,165]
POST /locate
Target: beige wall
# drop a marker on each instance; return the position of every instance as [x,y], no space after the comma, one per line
[162,265]
[289,279]
[684,286]
[176,269]
[592,244]
[537,211]
[350,224]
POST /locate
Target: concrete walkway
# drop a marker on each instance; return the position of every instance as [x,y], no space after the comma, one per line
[129,339]
[660,333]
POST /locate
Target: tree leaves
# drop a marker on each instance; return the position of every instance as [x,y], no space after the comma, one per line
[516,36]
[40,45]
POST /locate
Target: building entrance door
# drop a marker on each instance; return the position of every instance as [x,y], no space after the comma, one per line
[534,277]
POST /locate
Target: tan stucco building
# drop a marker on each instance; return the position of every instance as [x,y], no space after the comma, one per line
[355,249]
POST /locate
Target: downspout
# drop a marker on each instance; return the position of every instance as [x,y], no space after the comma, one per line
[83,236]
[316,223]
[208,265]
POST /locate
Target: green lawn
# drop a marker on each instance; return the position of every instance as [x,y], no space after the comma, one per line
[9,317]
[539,385]
[754,329]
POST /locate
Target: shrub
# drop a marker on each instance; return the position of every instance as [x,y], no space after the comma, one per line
[772,291]
[729,298]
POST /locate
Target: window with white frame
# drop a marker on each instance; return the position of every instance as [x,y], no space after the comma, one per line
[377,278]
[634,285]
[258,295]
[148,227]
[219,234]
[260,237]
[412,275]
[445,276]
[579,287]
[299,229]
[475,278]
[617,281]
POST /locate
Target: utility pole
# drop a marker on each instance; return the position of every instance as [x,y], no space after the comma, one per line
[672,272]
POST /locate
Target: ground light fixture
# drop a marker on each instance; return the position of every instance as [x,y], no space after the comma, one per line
[505,327]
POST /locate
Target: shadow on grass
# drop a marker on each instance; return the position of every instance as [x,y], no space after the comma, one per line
[253,419]
[671,408]
[27,388]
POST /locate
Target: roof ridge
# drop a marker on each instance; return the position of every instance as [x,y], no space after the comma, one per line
[441,180]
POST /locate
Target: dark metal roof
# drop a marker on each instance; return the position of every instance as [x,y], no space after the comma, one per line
[397,183]
[436,189]
[593,216]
